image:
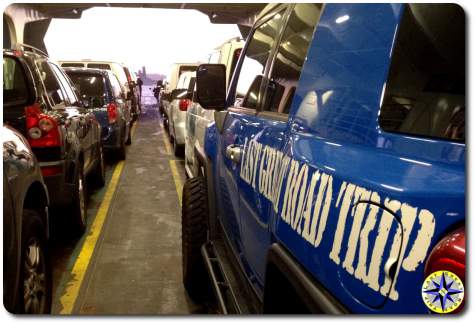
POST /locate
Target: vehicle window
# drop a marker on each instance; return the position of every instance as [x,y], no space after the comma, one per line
[214,57]
[72,64]
[184,81]
[53,89]
[255,60]
[191,84]
[186,68]
[290,57]
[15,91]
[181,81]
[101,66]
[90,87]
[234,61]
[67,87]
[425,92]
[127,74]
[116,89]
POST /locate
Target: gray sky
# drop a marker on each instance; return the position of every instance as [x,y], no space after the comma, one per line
[155,38]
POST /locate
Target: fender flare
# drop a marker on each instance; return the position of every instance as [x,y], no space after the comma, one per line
[207,165]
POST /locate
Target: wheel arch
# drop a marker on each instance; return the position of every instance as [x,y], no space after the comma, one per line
[36,198]
[205,164]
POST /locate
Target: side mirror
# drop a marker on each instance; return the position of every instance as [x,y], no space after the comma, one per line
[211,86]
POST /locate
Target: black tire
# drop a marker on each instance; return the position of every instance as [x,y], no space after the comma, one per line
[193,235]
[129,135]
[79,205]
[35,284]
[121,152]
[99,174]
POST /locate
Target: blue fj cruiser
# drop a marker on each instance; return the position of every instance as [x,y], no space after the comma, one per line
[333,177]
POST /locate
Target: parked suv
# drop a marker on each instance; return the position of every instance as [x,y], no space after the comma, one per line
[197,118]
[99,91]
[180,101]
[26,261]
[333,177]
[40,102]
[121,72]
[176,70]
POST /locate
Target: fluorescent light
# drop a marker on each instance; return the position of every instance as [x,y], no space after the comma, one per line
[415,161]
[342,19]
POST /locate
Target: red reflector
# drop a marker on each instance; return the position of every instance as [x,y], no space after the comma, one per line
[112,112]
[184,104]
[51,170]
[18,53]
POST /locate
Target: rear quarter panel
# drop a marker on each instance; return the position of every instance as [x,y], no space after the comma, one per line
[384,195]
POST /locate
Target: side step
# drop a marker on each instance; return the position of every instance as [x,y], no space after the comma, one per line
[225,296]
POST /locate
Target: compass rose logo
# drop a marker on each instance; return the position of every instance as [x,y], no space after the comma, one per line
[442,292]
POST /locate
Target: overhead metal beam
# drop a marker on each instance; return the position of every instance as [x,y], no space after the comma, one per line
[31,20]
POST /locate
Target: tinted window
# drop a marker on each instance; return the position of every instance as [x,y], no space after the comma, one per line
[127,74]
[72,65]
[66,85]
[290,57]
[99,66]
[52,87]
[15,91]
[88,85]
[425,92]
[186,68]
[256,56]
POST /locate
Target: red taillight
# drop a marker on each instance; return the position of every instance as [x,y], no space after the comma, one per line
[184,104]
[42,129]
[449,255]
[50,171]
[112,112]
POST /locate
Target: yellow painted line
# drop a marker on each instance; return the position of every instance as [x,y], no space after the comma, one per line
[68,299]
[167,143]
[177,179]
[165,140]
[134,126]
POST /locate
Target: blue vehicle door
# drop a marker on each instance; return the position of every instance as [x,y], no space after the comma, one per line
[241,121]
[261,136]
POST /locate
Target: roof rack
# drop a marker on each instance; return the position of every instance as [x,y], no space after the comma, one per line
[31,48]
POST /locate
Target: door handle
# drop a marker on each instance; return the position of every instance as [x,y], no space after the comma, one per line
[233,152]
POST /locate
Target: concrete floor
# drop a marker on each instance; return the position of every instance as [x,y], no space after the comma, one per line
[136,264]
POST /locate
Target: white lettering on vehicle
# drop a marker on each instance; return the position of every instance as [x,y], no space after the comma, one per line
[366,230]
